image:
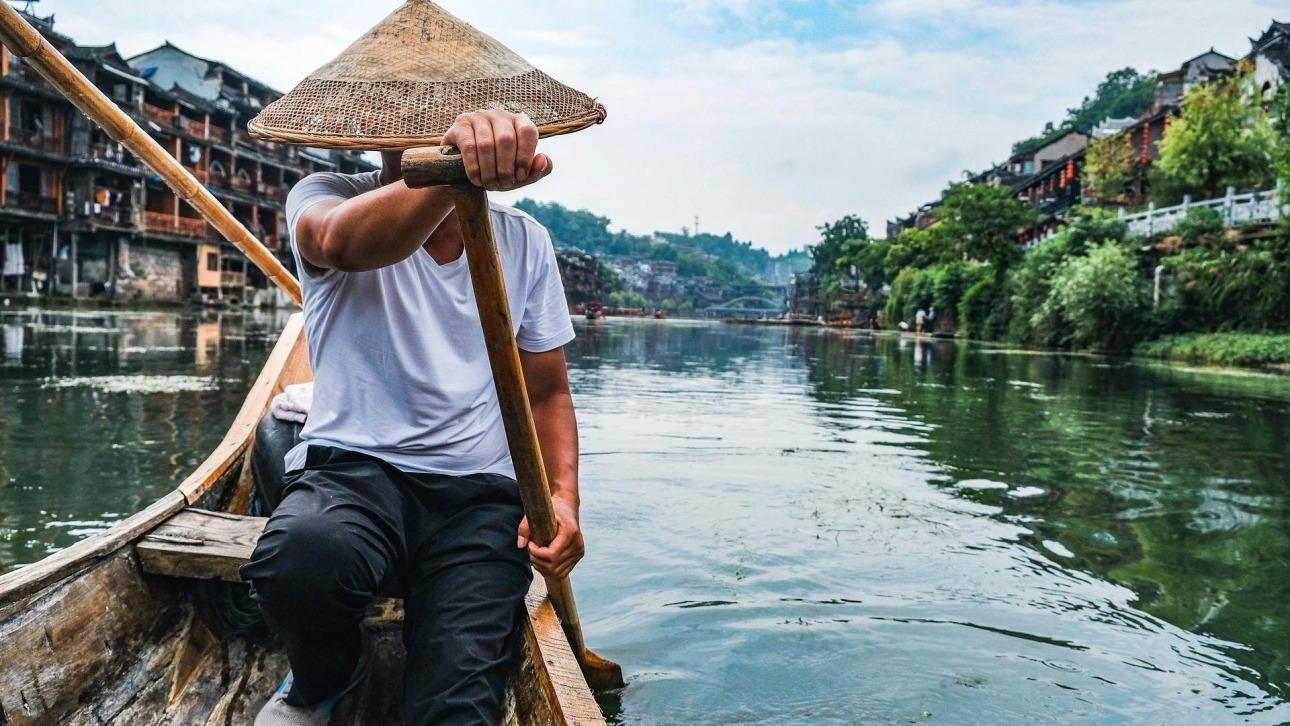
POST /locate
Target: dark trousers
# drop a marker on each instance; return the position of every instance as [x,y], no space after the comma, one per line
[350,525]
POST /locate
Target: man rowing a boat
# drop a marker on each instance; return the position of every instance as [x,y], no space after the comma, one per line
[403,478]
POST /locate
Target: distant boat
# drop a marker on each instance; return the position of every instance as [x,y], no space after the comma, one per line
[660,314]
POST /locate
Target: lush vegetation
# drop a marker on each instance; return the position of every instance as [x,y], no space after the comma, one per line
[1215,294]
[1220,348]
[1223,137]
[721,258]
[1125,93]
[1109,168]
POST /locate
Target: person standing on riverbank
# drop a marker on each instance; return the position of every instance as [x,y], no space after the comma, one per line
[403,476]
[920,320]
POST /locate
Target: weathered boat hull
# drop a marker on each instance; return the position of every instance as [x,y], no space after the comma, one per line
[87,636]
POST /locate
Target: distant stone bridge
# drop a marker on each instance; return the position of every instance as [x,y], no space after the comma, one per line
[748,306]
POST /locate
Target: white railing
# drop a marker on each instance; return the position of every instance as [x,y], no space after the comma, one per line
[1234,209]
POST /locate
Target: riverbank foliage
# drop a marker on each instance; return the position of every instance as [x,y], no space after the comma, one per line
[1091,286]
[1220,348]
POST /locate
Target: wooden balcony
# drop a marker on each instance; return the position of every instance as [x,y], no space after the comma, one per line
[231,278]
[159,115]
[194,227]
[242,184]
[108,152]
[117,216]
[219,134]
[34,139]
[201,175]
[193,127]
[29,202]
[169,223]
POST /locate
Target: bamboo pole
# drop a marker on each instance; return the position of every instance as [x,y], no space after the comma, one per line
[27,42]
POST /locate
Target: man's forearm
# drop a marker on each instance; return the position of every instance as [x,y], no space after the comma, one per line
[381,227]
[557,431]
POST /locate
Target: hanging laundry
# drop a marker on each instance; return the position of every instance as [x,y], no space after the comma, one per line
[14,264]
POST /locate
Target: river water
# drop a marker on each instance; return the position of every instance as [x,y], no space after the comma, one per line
[797,525]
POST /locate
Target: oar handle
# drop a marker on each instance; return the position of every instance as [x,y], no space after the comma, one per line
[433,166]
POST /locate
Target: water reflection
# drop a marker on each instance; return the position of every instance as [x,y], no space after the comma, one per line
[800,526]
[833,528]
[101,412]
[1135,473]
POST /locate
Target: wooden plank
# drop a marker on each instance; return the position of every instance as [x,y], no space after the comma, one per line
[73,638]
[200,544]
[21,583]
[557,670]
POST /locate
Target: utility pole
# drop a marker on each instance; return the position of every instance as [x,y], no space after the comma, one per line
[696,225]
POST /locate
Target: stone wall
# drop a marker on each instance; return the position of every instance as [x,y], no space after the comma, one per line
[151,272]
[581,276]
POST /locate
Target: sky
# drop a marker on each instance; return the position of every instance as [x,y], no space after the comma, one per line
[764,118]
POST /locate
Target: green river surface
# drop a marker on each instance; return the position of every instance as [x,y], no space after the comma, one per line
[799,525]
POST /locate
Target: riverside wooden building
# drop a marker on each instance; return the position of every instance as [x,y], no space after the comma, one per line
[79,216]
[1050,178]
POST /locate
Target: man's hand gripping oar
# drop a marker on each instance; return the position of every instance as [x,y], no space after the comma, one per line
[444,166]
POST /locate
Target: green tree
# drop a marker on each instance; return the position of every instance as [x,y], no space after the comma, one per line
[919,248]
[985,220]
[1024,302]
[833,236]
[1279,116]
[868,257]
[1108,168]
[1221,138]
[827,254]
[1125,93]
[1101,297]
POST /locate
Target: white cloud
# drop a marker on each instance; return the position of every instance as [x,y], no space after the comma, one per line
[764,117]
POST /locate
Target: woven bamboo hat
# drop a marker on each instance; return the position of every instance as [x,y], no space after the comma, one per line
[406,80]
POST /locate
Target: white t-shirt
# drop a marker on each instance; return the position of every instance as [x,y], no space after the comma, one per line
[400,368]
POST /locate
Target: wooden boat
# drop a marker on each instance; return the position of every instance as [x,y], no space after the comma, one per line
[143,623]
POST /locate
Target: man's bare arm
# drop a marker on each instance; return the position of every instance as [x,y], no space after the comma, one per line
[547,381]
[387,225]
[371,230]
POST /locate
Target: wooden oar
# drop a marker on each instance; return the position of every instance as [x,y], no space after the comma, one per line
[435,167]
[27,42]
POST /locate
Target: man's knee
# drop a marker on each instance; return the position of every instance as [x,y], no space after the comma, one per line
[310,561]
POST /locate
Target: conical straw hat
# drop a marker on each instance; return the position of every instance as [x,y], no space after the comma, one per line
[406,80]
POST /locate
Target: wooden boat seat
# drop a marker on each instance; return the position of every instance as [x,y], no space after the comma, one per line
[206,545]
[200,544]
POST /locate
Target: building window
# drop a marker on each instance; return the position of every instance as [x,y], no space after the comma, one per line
[30,179]
[212,262]
[31,116]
